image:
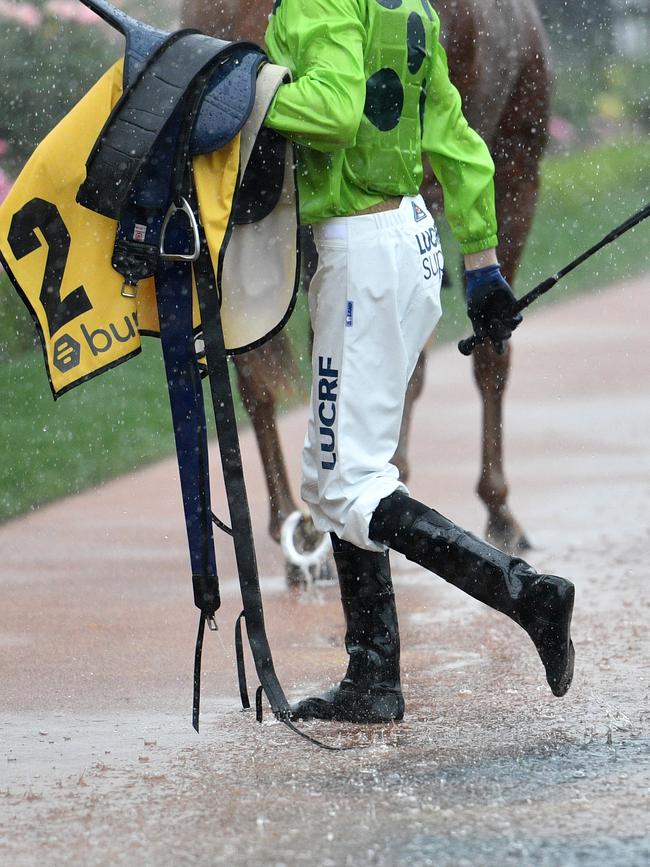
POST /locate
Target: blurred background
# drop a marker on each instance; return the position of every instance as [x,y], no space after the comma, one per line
[595,174]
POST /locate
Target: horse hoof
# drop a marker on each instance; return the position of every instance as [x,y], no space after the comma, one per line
[296,579]
[326,573]
[508,536]
[307,551]
[299,579]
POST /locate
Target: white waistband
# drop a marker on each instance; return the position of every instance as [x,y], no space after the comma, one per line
[338,228]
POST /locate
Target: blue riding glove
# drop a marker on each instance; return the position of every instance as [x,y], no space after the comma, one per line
[491,305]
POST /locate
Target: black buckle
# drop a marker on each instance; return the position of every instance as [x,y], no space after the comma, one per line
[134,261]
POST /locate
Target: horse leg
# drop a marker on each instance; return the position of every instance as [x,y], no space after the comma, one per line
[519,148]
[260,403]
[413,392]
[491,375]
[257,386]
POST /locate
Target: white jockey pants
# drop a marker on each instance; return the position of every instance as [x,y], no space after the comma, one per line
[374,301]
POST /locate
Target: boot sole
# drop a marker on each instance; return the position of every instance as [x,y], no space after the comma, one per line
[364,710]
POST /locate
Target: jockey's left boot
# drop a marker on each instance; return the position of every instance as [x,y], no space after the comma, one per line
[370,692]
[541,604]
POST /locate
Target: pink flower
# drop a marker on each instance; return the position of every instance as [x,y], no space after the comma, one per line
[4,146]
[562,130]
[5,185]
[24,13]
[71,10]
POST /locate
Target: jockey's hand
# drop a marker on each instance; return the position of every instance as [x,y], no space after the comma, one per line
[491,306]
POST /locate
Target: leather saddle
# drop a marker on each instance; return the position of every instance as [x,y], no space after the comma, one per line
[230,90]
[187,98]
[184,94]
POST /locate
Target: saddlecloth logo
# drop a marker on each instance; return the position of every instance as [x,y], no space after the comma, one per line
[66,353]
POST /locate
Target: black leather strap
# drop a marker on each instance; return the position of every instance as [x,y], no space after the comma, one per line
[198,653]
[315,741]
[240,521]
[241,664]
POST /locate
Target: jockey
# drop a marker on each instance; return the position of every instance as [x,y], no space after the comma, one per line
[371,94]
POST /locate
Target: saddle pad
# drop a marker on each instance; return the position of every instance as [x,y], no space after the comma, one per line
[260,265]
[58,253]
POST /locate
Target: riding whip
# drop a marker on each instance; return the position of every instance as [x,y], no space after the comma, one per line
[467,346]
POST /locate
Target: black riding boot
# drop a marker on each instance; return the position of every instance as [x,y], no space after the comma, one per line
[370,692]
[541,604]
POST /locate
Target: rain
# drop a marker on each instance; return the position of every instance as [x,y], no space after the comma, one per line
[542,450]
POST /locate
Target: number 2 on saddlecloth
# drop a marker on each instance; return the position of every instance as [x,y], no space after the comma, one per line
[39,214]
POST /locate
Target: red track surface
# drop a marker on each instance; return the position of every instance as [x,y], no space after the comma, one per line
[99,764]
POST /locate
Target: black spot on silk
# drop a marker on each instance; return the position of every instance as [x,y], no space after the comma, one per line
[423,101]
[417,42]
[384,99]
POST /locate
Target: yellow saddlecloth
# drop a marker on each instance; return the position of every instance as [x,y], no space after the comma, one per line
[58,253]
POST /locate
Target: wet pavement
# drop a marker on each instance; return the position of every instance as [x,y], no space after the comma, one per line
[99,764]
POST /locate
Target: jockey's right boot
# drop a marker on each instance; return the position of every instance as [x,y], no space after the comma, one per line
[541,604]
[370,692]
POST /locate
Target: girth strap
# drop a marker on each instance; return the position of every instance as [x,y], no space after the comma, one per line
[174,297]
[173,287]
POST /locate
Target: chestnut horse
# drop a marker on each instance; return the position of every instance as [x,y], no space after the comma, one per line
[498,59]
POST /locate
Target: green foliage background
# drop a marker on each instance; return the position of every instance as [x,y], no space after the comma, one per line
[120,421]
[46,70]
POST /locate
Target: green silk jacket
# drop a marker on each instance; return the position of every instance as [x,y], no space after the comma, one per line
[372,94]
